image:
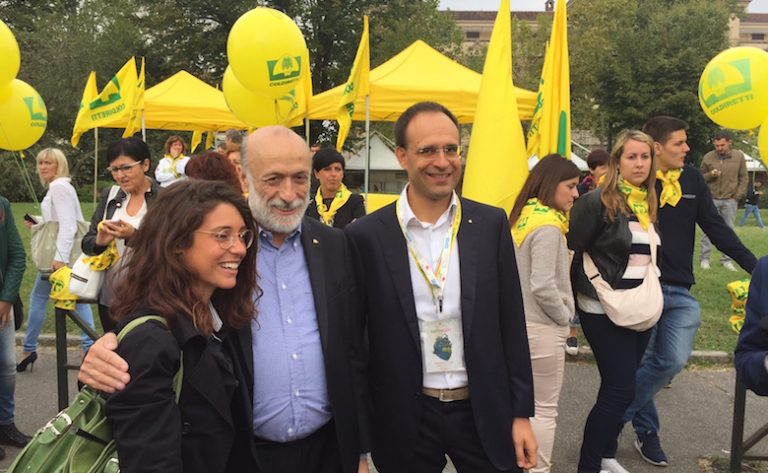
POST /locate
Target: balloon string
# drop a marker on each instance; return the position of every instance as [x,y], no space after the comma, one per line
[27,179]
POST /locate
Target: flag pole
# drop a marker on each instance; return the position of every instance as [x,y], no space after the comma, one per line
[144,128]
[95,164]
[367,146]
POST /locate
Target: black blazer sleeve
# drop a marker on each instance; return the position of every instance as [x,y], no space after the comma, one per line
[146,422]
[752,347]
[358,206]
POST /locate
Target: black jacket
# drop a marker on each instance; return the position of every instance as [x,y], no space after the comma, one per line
[206,432]
[608,243]
[89,245]
[354,208]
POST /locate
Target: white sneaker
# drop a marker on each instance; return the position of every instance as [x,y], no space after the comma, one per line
[610,465]
[729,266]
[705,264]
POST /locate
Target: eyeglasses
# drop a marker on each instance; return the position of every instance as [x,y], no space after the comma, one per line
[124,167]
[451,151]
[226,238]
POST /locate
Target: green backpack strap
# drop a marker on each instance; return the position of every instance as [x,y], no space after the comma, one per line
[178,378]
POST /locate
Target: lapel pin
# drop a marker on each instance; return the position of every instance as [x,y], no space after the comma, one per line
[315,242]
[469,221]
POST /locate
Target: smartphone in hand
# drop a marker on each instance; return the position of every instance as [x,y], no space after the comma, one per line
[30,219]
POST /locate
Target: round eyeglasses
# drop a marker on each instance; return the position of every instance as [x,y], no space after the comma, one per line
[226,238]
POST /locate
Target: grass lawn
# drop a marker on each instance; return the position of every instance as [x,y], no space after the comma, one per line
[715,332]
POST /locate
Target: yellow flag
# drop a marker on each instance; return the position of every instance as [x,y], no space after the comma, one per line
[210,138]
[550,130]
[115,101]
[357,86]
[89,93]
[137,109]
[197,138]
[497,166]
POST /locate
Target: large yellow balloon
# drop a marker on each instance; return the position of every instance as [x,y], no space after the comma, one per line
[733,89]
[23,116]
[762,142]
[10,59]
[257,109]
[265,51]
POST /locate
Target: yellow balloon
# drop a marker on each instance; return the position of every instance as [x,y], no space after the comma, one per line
[10,59]
[762,142]
[23,116]
[265,49]
[257,109]
[733,89]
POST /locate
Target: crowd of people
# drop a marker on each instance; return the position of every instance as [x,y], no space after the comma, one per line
[310,335]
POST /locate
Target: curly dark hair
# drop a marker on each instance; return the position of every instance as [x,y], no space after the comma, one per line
[212,166]
[156,278]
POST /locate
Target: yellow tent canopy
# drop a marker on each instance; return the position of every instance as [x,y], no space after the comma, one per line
[417,73]
[183,102]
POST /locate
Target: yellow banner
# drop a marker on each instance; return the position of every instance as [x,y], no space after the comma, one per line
[497,166]
[89,93]
[550,130]
[357,85]
[137,109]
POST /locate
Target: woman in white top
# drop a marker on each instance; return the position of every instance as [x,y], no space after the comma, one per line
[539,223]
[60,204]
[121,209]
[172,167]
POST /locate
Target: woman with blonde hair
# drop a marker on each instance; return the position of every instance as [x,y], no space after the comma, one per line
[62,205]
[172,167]
[614,224]
[539,223]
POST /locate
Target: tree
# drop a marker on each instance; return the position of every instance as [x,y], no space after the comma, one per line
[646,57]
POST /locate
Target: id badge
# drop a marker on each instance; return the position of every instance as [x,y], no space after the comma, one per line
[443,347]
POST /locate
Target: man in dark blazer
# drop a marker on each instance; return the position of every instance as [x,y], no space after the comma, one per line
[428,400]
[302,372]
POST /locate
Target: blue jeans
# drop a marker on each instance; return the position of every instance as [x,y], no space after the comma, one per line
[38,301]
[668,351]
[754,210]
[7,372]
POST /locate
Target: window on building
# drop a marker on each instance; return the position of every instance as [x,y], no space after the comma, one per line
[473,35]
[758,36]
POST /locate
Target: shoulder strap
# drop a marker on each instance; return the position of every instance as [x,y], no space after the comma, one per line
[178,378]
[112,193]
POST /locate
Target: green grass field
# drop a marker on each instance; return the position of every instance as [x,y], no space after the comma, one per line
[715,333]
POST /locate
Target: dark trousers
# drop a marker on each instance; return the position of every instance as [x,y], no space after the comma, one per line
[317,453]
[618,352]
[448,428]
[106,321]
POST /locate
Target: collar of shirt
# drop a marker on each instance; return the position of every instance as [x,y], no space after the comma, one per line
[265,236]
[410,218]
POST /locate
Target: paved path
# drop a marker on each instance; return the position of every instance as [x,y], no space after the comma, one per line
[696,414]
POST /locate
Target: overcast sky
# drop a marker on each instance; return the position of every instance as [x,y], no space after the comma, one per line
[757,6]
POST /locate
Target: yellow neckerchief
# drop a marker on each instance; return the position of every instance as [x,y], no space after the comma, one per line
[435,278]
[173,163]
[327,214]
[535,215]
[671,192]
[106,259]
[59,279]
[637,201]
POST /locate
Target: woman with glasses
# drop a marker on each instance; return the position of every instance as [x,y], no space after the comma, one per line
[120,211]
[334,204]
[199,274]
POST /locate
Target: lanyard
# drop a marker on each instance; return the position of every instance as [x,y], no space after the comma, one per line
[435,278]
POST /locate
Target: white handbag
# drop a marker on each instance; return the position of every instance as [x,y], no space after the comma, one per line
[43,245]
[638,308]
[85,282]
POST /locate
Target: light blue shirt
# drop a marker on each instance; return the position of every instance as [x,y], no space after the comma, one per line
[290,396]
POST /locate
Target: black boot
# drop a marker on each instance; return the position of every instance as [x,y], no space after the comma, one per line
[10,435]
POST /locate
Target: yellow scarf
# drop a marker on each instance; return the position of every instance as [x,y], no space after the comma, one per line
[173,163]
[637,201]
[671,192]
[327,214]
[535,215]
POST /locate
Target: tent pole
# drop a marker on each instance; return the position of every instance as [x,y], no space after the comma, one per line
[367,147]
[306,131]
[95,165]
[144,128]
